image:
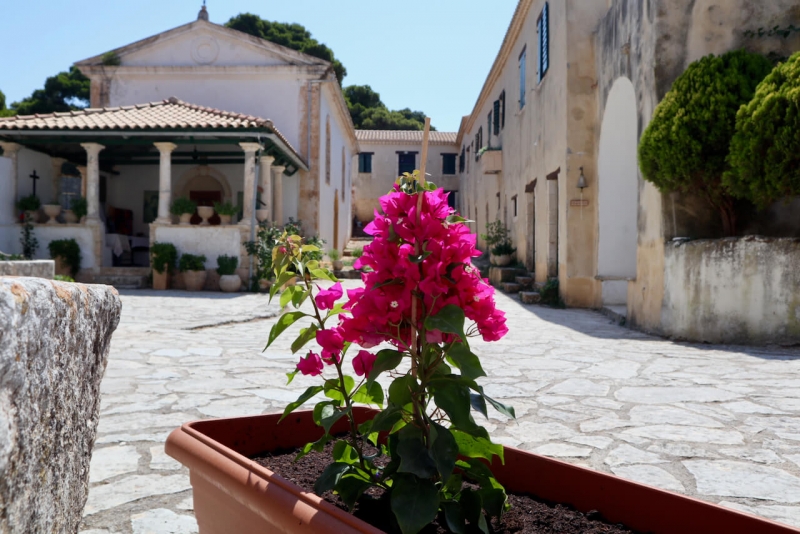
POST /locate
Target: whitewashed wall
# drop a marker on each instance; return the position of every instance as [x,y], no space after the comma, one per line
[44,233]
[211,241]
[7,210]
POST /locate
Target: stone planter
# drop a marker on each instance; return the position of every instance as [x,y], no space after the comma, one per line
[338,265]
[234,494]
[186,219]
[205,213]
[70,217]
[160,280]
[230,283]
[52,211]
[262,215]
[194,280]
[500,261]
[32,215]
[225,219]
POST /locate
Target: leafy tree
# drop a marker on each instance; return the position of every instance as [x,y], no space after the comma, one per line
[370,113]
[765,150]
[685,145]
[293,36]
[65,91]
[4,111]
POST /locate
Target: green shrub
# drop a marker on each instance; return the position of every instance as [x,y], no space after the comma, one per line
[266,238]
[69,251]
[29,203]
[227,264]
[225,208]
[192,262]
[685,145]
[504,248]
[182,205]
[550,294]
[63,278]
[11,257]
[358,252]
[163,257]
[333,254]
[496,233]
[79,207]
[765,150]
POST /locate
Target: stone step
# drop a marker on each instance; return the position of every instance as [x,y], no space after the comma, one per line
[618,313]
[511,287]
[524,281]
[122,282]
[530,297]
[124,271]
[498,275]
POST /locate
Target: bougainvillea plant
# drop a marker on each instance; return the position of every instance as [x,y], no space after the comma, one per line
[423,300]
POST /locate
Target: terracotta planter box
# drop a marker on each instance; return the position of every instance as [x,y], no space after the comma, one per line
[160,280]
[194,280]
[234,494]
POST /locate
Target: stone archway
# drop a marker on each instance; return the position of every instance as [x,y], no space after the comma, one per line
[618,195]
[203,178]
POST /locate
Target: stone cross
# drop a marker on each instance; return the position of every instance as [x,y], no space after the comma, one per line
[34,177]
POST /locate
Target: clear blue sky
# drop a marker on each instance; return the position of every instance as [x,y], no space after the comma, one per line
[429,55]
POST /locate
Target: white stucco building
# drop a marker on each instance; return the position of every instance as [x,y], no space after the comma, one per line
[199,111]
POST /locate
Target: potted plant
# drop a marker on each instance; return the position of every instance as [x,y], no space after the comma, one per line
[225,211]
[163,257]
[337,263]
[422,440]
[30,206]
[496,237]
[52,210]
[79,208]
[501,253]
[194,271]
[183,208]
[67,255]
[229,281]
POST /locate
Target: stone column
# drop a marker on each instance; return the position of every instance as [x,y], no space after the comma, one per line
[265,183]
[92,181]
[277,177]
[57,163]
[165,181]
[8,208]
[250,150]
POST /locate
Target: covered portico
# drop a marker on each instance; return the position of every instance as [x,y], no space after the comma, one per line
[134,161]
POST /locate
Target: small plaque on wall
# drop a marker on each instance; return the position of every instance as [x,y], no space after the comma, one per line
[579,203]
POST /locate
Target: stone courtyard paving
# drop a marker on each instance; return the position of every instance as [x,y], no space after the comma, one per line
[719,423]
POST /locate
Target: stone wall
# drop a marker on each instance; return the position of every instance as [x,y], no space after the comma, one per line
[35,268]
[735,290]
[54,342]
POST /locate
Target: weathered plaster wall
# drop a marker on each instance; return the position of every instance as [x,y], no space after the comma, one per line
[211,241]
[85,236]
[369,187]
[737,290]
[54,342]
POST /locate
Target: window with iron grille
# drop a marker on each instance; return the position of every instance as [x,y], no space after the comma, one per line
[467,160]
[522,78]
[489,128]
[514,204]
[461,159]
[406,162]
[365,162]
[503,109]
[449,163]
[543,29]
[496,123]
[478,143]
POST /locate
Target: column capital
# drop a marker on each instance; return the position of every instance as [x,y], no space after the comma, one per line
[278,169]
[9,148]
[250,147]
[92,148]
[267,160]
[165,147]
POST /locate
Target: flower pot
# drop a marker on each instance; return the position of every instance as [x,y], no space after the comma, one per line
[225,219]
[500,261]
[52,211]
[230,283]
[194,280]
[234,494]
[160,280]
[186,219]
[338,265]
[262,215]
[32,215]
[70,217]
[205,213]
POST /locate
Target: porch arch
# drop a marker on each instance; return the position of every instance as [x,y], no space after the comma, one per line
[204,177]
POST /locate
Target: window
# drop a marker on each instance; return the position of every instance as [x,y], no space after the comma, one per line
[514,204]
[543,29]
[503,109]
[489,128]
[407,162]
[496,125]
[461,158]
[522,78]
[478,143]
[328,150]
[467,159]
[365,162]
[498,203]
[449,163]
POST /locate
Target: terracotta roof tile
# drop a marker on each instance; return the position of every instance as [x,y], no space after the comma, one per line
[404,136]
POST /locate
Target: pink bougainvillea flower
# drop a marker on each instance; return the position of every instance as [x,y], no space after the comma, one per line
[326,298]
[363,362]
[310,365]
[332,343]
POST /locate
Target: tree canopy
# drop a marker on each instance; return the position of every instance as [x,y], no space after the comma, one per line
[685,146]
[294,36]
[65,91]
[765,150]
[370,113]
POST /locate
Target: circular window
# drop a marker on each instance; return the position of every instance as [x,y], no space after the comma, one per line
[204,50]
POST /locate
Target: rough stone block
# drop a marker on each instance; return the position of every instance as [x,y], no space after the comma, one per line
[498,275]
[54,342]
[524,281]
[511,287]
[35,268]
[530,297]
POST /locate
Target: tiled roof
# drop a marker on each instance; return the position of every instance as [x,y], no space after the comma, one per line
[168,114]
[404,136]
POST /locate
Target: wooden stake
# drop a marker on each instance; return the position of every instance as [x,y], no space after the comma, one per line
[424,159]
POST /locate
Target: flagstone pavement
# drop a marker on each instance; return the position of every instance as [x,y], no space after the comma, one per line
[718,422]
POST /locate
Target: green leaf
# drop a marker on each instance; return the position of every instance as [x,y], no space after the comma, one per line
[400,390]
[475,447]
[307,394]
[460,356]
[323,274]
[309,248]
[418,259]
[385,360]
[332,387]
[330,477]
[415,502]
[472,508]
[288,295]
[449,320]
[286,320]
[444,450]
[318,446]
[414,456]
[299,296]
[508,411]
[453,398]
[456,521]
[290,376]
[345,453]
[306,335]
[494,499]
[351,486]
[478,404]
[453,219]
[386,419]
[326,414]
[369,394]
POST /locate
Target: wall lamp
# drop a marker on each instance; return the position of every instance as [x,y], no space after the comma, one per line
[582,181]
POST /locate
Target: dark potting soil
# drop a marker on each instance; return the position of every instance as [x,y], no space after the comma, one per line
[528,514]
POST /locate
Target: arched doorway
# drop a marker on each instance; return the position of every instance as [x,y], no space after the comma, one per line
[618,198]
[205,186]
